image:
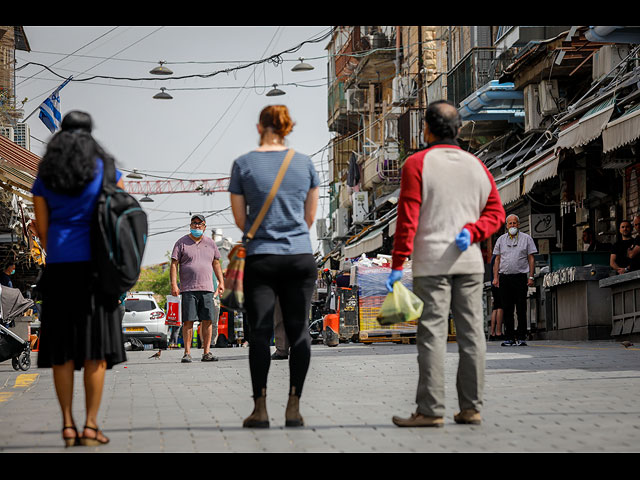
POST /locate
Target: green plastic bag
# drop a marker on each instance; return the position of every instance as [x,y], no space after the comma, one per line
[400,306]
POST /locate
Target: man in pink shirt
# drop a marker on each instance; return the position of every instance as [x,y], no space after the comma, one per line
[448,203]
[196,256]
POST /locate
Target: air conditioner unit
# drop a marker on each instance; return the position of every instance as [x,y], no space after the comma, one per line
[532,115]
[356,100]
[404,89]
[391,127]
[606,59]
[339,223]
[7,132]
[321,228]
[549,96]
[360,207]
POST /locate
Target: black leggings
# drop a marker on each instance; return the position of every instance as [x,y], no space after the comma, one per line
[291,279]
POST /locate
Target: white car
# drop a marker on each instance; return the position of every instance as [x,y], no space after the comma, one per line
[144,320]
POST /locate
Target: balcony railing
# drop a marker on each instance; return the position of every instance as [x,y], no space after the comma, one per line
[472,72]
[411,130]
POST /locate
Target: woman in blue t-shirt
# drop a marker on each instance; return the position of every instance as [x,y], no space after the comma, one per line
[280,262]
[79,327]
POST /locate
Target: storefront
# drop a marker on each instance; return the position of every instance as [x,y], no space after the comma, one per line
[18,242]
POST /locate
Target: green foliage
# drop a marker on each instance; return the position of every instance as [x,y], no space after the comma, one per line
[155,279]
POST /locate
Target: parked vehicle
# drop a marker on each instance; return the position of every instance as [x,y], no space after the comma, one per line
[144,320]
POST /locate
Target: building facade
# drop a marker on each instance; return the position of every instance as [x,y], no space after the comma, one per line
[18,169]
[552,111]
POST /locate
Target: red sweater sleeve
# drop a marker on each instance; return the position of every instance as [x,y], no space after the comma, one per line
[492,216]
[408,209]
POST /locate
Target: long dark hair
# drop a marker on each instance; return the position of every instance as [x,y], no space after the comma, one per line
[69,162]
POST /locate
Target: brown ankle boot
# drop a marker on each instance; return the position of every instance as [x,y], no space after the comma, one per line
[292,414]
[259,418]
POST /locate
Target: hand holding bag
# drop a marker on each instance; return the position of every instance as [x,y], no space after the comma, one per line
[174,311]
[233,295]
[400,306]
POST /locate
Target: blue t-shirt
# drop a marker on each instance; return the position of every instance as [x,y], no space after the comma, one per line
[68,237]
[283,230]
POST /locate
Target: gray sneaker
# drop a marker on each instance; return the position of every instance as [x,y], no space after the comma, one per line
[208,357]
[186,358]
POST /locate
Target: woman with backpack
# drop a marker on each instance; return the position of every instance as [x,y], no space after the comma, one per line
[84,331]
[279,259]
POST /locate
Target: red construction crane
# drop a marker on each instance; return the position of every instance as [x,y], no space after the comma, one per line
[158,187]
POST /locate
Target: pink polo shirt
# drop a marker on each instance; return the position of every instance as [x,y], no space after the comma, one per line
[195,260]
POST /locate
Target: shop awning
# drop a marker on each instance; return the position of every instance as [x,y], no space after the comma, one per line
[544,169]
[509,188]
[15,177]
[589,127]
[18,157]
[367,243]
[622,131]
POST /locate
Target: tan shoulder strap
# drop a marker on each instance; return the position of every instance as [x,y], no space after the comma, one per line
[272,194]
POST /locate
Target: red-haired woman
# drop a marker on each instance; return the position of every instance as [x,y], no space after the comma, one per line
[280,262]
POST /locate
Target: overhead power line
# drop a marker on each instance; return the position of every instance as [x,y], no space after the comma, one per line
[276,59]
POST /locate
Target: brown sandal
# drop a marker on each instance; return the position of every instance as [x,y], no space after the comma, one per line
[70,441]
[93,442]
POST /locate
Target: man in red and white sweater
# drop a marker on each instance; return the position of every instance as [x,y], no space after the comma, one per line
[448,203]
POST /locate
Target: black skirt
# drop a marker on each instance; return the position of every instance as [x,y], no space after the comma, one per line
[77,323]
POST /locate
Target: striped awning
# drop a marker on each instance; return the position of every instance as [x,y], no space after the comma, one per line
[18,157]
[16,178]
[542,170]
[509,188]
[622,130]
[589,127]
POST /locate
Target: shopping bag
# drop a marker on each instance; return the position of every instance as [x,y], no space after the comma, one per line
[233,296]
[400,306]
[174,311]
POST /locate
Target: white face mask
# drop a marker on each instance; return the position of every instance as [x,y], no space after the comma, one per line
[513,231]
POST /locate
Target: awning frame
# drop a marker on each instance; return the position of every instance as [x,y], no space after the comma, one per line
[369,242]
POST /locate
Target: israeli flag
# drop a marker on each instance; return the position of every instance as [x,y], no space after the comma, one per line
[50,109]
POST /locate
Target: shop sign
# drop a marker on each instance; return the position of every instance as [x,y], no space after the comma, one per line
[542,225]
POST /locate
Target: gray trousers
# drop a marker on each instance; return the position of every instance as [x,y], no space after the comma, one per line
[463,295]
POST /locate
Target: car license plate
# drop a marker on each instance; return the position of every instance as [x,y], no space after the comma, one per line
[134,329]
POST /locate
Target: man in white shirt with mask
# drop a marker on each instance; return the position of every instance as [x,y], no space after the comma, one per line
[513,274]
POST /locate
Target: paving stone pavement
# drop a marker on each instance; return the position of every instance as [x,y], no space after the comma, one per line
[548,397]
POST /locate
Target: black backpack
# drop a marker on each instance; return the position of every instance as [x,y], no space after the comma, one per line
[118,236]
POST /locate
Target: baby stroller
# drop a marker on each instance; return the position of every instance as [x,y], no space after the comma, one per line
[12,306]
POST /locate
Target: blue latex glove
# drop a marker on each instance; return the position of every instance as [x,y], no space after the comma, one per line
[463,239]
[394,276]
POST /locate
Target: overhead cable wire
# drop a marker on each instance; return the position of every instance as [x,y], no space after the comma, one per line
[71,54]
[275,59]
[217,122]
